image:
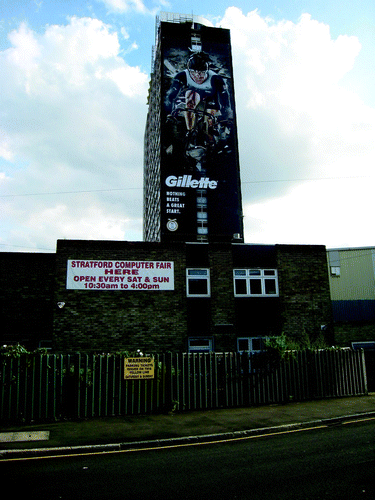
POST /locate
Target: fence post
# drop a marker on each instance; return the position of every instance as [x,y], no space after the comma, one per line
[169,382]
[53,384]
[364,371]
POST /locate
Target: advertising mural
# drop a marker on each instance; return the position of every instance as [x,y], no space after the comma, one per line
[200,172]
[120,275]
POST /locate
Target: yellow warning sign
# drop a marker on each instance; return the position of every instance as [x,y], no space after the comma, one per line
[139,368]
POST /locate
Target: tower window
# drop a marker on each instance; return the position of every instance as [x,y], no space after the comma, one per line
[196,44]
[198,282]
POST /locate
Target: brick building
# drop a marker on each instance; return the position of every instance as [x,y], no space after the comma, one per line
[191,165]
[219,296]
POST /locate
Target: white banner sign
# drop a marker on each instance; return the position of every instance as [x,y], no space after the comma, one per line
[119,275]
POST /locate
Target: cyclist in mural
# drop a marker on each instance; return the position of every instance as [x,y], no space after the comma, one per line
[199,113]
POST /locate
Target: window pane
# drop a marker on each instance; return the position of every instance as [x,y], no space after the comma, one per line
[240,272]
[200,342]
[257,344]
[269,272]
[270,287]
[202,215]
[335,271]
[255,287]
[240,287]
[198,286]
[197,272]
[201,200]
[243,344]
[254,272]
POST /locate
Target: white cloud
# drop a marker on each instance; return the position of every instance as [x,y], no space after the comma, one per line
[4,147]
[138,6]
[126,5]
[73,113]
[124,33]
[68,102]
[25,48]
[297,120]
[129,80]
[325,210]
[75,99]
[3,178]
[91,221]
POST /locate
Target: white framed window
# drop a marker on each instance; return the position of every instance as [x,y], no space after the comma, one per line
[334,263]
[255,283]
[198,282]
[196,42]
[250,344]
[335,271]
[200,344]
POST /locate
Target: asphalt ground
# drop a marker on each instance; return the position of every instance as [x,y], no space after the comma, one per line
[161,429]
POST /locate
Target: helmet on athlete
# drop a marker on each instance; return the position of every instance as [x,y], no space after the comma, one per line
[198,61]
[198,66]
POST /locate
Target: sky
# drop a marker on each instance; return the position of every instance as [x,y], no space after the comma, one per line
[74,79]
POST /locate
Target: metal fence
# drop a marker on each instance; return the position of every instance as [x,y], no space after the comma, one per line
[37,388]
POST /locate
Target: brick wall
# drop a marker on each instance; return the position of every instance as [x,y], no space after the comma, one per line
[304,291]
[108,320]
[348,332]
[26,298]
[223,310]
[162,320]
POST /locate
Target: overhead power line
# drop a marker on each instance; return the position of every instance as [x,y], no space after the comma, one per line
[140,188]
[68,192]
[307,180]
[33,248]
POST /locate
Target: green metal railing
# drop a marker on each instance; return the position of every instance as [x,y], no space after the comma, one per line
[37,388]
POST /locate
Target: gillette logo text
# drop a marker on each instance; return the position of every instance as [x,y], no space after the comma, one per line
[187,181]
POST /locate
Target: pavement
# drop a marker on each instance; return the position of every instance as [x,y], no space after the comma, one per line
[143,431]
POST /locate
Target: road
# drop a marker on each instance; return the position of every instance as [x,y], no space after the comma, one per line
[336,462]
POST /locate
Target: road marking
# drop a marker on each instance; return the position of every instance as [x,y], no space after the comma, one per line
[359,420]
[8,437]
[181,445]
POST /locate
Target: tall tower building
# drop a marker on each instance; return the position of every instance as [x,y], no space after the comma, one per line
[191,166]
